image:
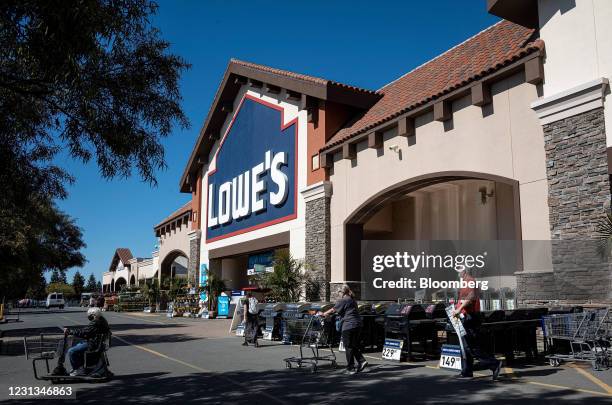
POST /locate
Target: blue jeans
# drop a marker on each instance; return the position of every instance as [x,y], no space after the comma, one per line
[76,354]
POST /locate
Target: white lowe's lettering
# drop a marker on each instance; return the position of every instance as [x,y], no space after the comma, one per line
[244,193]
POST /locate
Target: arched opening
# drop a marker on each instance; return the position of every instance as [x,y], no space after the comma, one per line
[112,286]
[455,206]
[133,280]
[119,283]
[173,267]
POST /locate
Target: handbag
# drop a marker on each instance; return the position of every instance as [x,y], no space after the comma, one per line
[339,321]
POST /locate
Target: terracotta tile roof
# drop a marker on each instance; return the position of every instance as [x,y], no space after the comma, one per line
[124,254]
[298,76]
[484,53]
[184,209]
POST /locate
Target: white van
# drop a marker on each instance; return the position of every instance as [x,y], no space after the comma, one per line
[55,300]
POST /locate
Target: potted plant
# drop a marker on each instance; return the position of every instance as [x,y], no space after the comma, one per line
[151,292]
[288,281]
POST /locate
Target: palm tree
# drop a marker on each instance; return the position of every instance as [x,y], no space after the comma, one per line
[604,235]
[288,280]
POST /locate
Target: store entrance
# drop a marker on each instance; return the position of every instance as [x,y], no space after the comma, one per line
[239,271]
[438,209]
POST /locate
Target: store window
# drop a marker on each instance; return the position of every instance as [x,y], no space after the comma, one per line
[315,162]
[261,262]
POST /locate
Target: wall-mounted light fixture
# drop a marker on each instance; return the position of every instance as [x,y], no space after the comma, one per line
[395,148]
[484,194]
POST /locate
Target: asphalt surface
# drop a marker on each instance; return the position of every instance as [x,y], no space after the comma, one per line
[157,359]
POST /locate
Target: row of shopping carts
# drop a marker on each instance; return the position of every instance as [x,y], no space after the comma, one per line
[582,336]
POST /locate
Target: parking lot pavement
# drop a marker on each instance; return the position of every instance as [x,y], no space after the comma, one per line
[156,359]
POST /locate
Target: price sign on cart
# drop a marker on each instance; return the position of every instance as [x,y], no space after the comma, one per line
[392,350]
[451,357]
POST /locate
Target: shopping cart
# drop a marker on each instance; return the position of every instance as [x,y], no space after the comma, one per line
[316,332]
[44,348]
[586,333]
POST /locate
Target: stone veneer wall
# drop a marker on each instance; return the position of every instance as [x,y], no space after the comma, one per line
[194,258]
[355,286]
[578,196]
[318,244]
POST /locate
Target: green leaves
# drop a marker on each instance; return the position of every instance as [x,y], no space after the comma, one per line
[289,280]
[91,78]
[603,233]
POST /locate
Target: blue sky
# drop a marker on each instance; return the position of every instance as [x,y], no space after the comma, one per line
[362,43]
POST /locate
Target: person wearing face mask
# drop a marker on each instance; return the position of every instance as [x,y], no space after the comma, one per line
[93,332]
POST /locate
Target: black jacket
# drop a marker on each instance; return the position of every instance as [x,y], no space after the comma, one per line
[93,332]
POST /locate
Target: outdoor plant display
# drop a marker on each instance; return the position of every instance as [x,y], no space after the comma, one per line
[151,292]
[288,281]
[216,286]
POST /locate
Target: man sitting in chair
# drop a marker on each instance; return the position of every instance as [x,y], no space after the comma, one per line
[94,332]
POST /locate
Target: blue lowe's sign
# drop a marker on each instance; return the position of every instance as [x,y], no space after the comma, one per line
[253,183]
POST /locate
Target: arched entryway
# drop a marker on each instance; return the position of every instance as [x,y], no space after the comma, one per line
[112,286]
[119,283]
[173,267]
[133,280]
[442,206]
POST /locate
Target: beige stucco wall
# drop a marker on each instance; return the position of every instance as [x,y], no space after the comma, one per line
[578,38]
[504,139]
[176,239]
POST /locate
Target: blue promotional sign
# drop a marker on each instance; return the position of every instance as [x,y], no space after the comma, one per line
[254,181]
[203,296]
[223,306]
[203,275]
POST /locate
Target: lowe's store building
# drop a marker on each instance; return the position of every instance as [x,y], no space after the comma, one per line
[502,137]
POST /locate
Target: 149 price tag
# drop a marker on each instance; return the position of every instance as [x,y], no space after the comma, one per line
[450,357]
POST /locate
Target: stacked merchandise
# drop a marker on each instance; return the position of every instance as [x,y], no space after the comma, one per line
[184,305]
[130,302]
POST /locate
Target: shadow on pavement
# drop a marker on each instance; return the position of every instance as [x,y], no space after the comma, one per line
[301,387]
[135,339]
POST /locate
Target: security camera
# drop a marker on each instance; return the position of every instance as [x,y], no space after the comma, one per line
[394,148]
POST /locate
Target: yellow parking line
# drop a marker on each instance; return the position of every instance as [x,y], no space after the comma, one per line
[200,369]
[510,372]
[592,378]
[513,376]
[562,387]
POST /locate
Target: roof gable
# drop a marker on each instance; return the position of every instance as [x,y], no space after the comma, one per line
[298,85]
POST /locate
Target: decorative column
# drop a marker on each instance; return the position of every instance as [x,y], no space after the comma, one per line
[194,257]
[578,196]
[318,234]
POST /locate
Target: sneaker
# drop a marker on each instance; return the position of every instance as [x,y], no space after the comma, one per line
[245,344]
[496,370]
[350,371]
[464,376]
[78,373]
[361,366]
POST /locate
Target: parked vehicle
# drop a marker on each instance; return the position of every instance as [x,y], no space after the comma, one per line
[55,300]
[85,297]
